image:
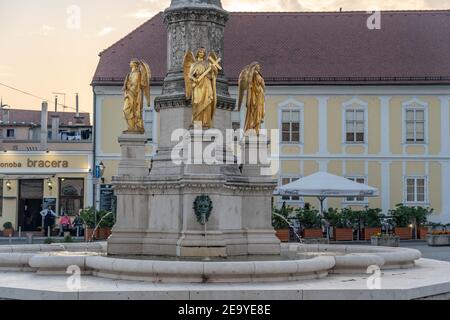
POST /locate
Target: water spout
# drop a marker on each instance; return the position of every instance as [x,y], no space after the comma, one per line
[290,225]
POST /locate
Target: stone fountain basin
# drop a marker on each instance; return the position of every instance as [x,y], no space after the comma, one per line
[318,261]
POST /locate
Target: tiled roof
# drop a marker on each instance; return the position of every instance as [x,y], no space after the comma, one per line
[412,47]
[28,117]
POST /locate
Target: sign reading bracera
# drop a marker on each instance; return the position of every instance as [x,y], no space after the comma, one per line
[29,163]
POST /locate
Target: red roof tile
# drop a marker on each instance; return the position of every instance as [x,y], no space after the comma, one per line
[308,48]
[34,117]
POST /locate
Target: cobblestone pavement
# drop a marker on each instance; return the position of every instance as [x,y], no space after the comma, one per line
[437,253]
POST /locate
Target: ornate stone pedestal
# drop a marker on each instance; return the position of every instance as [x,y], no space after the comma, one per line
[156,213]
[133,162]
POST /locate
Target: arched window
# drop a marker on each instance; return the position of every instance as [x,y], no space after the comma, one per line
[71,195]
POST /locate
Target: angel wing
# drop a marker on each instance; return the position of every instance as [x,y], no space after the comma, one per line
[245,83]
[146,75]
[214,56]
[189,59]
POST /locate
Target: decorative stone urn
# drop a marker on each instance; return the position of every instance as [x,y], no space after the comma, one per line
[386,241]
[438,240]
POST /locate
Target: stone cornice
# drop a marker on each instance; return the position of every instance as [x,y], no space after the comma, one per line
[207,15]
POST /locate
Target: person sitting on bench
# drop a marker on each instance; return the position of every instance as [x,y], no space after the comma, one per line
[64,224]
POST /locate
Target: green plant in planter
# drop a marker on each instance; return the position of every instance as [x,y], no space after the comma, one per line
[373,218]
[106,219]
[8,225]
[338,219]
[420,215]
[281,216]
[309,218]
[351,218]
[404,216]
[88,217]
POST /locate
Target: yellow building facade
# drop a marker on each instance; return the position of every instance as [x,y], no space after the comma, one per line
[46,160]
[33,180]
[368,104]
[394,138]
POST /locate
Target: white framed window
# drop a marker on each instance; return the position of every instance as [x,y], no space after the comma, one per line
[355,122]
[415,122]
[416,190]
[148,124]
[285,181]
[290,126]
[291,122]
[415,125]
[359,199]
[354,125]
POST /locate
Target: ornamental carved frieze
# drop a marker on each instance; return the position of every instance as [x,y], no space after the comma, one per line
[216,36]
[177,38]
[178,16]
[158,187]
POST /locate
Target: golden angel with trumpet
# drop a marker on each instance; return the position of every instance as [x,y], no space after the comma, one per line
[136,86]
[251,80]
[200,75]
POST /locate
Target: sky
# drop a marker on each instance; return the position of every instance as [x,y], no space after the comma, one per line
[49,46]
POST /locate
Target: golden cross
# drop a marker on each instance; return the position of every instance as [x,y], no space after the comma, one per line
[214,63]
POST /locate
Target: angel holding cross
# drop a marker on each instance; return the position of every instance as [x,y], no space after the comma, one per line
[200,76]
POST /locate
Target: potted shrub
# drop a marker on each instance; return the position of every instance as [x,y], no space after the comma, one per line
[342,226]
[403,218]
[88,217]
[280,221]
[372,223]
[106,223]
[406,217]
[420,219]
[8,229]
[310,222]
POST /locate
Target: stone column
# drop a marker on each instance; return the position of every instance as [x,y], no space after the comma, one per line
[191,24]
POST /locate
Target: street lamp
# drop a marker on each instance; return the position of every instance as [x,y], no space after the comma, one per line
[8,185]
[49,184]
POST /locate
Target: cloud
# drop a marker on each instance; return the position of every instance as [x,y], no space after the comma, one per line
[142,14]
[333,5]
[105,31]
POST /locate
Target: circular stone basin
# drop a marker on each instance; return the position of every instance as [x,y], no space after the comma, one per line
[285,256]
[297,262]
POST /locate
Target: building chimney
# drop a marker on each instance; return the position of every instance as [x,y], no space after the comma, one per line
[77,106]
[55,127]
[56,103]
[44,130]
[5,115]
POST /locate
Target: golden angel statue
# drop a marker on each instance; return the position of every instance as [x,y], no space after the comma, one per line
[200,74]
[136,86]
[251,80]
